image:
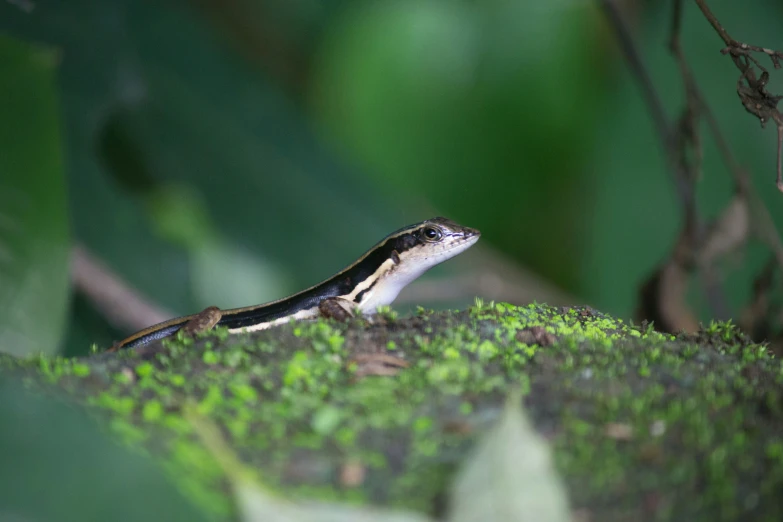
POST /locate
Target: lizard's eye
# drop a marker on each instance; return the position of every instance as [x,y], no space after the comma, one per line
[431,234]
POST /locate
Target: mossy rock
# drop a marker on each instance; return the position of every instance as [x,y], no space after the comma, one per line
[644,426]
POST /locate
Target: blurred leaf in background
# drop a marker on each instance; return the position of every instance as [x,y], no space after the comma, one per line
[155,115]
[477,107]
[230,153]
[33,222]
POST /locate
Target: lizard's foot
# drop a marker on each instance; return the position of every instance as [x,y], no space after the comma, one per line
[202,321]
[336,308]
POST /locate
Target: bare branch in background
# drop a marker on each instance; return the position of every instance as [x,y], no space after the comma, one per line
[755,219]
[121,305]
[752,89]
[700,247]
[759,222]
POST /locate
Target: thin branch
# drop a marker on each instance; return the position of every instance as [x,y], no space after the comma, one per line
[752,90]
[761,223]
[714,21]
[732,45]
[121,305]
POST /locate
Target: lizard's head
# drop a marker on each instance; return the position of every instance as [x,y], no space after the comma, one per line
[436,240]
[405,255]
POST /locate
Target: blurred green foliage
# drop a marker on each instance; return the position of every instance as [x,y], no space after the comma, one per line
[475,106]
[231,153]
[33,230]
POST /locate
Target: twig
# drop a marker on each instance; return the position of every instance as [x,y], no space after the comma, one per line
[752,90]
[775,56]
[695,97]
[122,306]
[761,223]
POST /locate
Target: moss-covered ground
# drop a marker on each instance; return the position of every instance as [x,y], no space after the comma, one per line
[644,426]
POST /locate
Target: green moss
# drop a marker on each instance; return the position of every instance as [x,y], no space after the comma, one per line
[123,406]
[703,412]
[298,371]
[152,411]
[244,392]
[326,419]
[487,350]
[422,425]
[80,370]
[144,369]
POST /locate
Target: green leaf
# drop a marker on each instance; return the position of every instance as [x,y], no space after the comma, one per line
[58,466]
[33,220]
[510,477]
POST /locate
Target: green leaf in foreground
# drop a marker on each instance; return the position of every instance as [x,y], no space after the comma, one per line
[58,466]
[33,219]
[510,477]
